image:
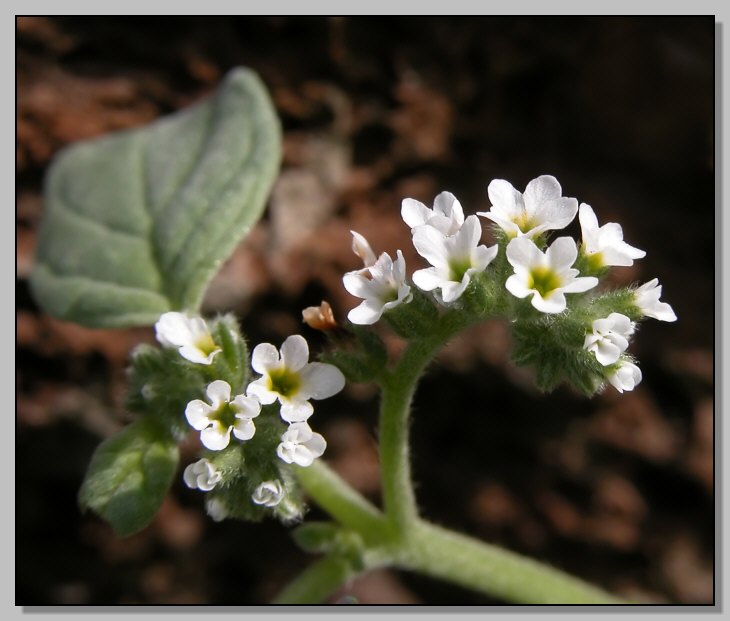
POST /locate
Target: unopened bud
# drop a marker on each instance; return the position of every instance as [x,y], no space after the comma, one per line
[319,317]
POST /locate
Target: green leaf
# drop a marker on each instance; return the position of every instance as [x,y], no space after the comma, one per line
[137,222]
[129,476]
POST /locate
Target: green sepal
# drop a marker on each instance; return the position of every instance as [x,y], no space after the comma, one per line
[129,475]
[161,384]
[361,360]
[484,297]
[416,319]
[232,363]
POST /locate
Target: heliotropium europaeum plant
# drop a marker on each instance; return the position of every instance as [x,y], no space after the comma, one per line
[135,225]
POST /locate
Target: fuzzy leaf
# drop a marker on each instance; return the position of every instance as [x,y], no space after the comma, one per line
[137,222]
[129,476]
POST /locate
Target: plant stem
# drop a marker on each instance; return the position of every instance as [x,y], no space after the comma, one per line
[398,388]
[453,557]
[342,502]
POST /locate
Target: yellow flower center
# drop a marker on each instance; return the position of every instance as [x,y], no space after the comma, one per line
[524,222]
[543,280]
[206,344]
[457,269]
[284,382]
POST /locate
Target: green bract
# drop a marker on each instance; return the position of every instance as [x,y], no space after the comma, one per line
[137,222]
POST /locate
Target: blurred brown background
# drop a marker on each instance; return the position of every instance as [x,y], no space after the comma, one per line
[617,489]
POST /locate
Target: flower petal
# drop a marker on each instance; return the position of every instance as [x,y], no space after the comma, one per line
[366,313]
[361,247]
[248,407]
[506,201]
[588,220]
[316,445]
[541,190]
[302,456]
[193,354]
[517,286]
[197,412]
[606,352]
[172,329]
[296,411]
[414,213]
[428,279]
[244,428]
[554,302]
[320,380]
[579,285]
[260,389]
[451,291]
[522,252]
[430,244]
[190,476]
[562,253]
[295,352]
[216,437]
[264,357]
[558,213]
[218,391]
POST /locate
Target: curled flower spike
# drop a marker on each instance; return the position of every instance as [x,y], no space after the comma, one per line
[201,475]
[646,298]
[455,259]
[547,276]
[189,334]
[605,245]
[447,215]
[609,338]
[223,416]
[626,377]
[268,494]
[300,445]
[381,285]
[291,379]
[541,208]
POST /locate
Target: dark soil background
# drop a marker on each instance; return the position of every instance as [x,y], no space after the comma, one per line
[617,489]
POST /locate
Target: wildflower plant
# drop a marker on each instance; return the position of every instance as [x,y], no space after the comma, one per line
[206,173]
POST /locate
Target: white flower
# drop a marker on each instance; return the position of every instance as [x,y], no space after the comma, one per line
[189,334]
[454,258]
[626,377]
[269,493]
[223,416]
[446,216]
[546,276]
[381,284]
[201,475]
[540,208]
[216,509]
[291,379]
[610,337]
[646,298]
[300,445]
[605,245]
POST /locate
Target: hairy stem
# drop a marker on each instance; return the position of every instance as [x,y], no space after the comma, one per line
[462,560]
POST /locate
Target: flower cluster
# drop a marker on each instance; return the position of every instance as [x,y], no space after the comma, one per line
[534,270]
[286,377]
